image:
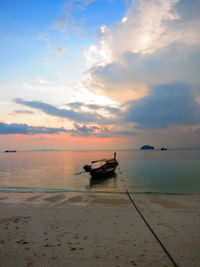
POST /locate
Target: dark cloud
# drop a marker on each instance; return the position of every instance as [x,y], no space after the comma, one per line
[15,128]
[92,107]
[87,129]
[188,10]
[102,132]
[84,130]
[75,105]
[79,130]
[63,113]
[166,105]
[23,112]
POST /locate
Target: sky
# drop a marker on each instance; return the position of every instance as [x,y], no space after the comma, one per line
[99,74]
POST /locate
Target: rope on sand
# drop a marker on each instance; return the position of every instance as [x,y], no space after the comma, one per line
[148,225]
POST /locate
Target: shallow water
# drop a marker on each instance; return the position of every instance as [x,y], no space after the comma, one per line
[175,171]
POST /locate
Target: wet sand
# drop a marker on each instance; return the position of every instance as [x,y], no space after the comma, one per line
[98,230]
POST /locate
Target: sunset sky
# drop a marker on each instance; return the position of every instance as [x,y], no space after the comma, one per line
[99,74]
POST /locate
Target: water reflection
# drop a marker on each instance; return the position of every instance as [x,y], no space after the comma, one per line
[110,180]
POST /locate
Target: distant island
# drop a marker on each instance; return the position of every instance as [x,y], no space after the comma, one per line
[6,151]
[147,147]
[45,149]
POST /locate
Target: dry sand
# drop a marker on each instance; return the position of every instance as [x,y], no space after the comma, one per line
[98,230]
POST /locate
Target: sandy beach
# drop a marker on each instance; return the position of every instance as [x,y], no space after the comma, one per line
[74,229]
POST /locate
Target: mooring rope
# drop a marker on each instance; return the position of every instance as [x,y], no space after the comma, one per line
[147,224]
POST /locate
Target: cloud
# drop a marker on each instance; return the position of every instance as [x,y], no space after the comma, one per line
[166,105]
[15,128]
[28,85]
[64,113]
[66,20]
[94,107]
[78,130]
[101,132]
[146,27]
[42,80]
[51,47]
[176,62]
[84,130]
[143,31]
[22,112]
[158,42]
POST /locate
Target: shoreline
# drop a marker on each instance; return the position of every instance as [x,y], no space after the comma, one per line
[29,190]
[92,229]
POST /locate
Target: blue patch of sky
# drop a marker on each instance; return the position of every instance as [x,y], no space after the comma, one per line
[99,13]
[23,16]
[104,12]
[23,20]
[20,23]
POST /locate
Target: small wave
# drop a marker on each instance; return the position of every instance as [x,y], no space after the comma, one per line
[13,189]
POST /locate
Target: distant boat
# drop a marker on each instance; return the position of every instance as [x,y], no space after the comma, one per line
[163,148]
[106,168]
[6,151]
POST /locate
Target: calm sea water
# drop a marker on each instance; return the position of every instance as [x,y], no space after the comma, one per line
[176,171]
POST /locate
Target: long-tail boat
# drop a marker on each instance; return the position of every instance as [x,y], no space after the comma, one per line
[105,167]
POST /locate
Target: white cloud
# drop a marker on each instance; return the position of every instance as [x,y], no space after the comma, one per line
[157,41]
[28,85]
[42,80]
[124,19]
[146,27]
[95,54]
[139,31]
[103,28]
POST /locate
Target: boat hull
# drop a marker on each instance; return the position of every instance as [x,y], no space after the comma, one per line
[100,172]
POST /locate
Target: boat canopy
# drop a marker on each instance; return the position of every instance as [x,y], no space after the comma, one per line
[105,160]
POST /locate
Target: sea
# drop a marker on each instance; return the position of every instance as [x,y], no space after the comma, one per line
[152,171]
